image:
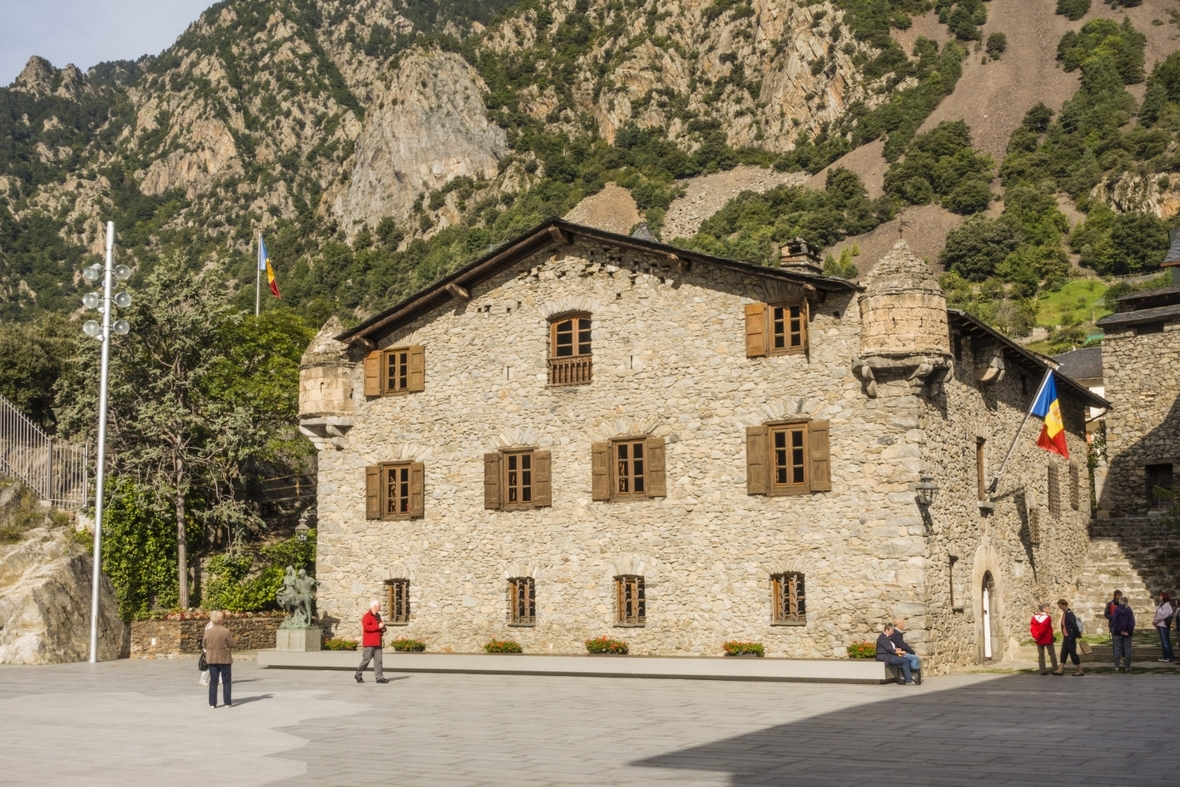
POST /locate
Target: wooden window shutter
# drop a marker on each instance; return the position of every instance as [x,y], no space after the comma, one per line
[373,373]
[819,451]
[491,481]
[755,330]
[757,453]
[805,326]
[373,492]
[417,490]
[416,373]
[600,471]
[542,479]
[657,476]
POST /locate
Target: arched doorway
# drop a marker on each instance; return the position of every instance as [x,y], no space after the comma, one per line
[989,592]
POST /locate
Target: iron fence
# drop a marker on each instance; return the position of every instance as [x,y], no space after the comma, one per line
[58,471]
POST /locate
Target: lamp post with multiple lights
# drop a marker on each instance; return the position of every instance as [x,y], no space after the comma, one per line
[104,302]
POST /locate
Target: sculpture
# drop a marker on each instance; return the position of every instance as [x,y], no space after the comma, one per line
[296,597]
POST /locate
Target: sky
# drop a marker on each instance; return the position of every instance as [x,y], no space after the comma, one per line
[86,32]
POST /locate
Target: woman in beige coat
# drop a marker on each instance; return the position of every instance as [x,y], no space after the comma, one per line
[219,644]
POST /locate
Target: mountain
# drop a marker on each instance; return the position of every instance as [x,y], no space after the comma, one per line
[380,143]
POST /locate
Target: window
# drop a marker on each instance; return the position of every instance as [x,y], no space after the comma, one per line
[398,370]
[789,607]
[981,467]
[629,601]
[397,601]
[776,329]
[1034,526]
[1054,492]
[517,479]
[395,491]
[1159,477]
[522,601]
[790,458]
[569,350]
[628,469]
[1075,486]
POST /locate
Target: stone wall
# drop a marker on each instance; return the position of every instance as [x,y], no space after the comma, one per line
[1143,428]
[669,359]
[161,638]
[1032,555]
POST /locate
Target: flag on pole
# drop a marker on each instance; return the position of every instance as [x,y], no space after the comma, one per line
[264,265]
[1047,407]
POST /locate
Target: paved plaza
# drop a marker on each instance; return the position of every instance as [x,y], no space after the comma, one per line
[148,723]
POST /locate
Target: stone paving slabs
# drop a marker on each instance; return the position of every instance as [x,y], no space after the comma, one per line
[148,723]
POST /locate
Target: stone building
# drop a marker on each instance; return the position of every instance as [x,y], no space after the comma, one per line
[584,433]
[1141,369]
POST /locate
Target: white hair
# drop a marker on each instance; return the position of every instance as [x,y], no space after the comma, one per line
[374,603]
[216,616]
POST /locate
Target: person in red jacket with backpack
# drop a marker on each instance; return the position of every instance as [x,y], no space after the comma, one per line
[371,643]
[1041,628]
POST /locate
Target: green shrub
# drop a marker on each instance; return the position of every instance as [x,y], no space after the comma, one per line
[337,643]
[605,644]
[1073,10]
[997,43]
[974,249]
[972,195]
[407,645]
[735,648]
[862,650]
[502,646]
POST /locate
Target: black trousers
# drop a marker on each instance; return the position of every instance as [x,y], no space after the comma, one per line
[1069,647]
[221,671]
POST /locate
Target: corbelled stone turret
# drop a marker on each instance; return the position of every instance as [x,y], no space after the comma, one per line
[903,321]
[325,387]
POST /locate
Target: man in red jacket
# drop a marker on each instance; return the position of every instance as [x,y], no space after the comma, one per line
[1041,628]
[374,629]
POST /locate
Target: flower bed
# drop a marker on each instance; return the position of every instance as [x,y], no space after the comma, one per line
[406,645]
[735,648]
[503,646]
[338,643]
[605,644]
[862,650]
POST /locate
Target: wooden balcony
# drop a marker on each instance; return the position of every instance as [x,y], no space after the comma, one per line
[574,370]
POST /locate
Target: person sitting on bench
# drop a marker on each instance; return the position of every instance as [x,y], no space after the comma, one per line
[898,639]
[888,652]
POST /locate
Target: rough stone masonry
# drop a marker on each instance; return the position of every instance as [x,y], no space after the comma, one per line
[670,360]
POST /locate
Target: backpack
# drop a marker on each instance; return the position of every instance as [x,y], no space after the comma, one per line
[1081,628]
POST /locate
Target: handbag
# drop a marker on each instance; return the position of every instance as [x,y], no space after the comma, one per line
[202,665]
[1084,647]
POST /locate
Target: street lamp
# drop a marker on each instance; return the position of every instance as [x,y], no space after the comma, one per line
[302,530]
[926,490]
[104,303]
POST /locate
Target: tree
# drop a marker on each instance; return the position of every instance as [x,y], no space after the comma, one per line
[199,393]
[30,363]
[996,44]
[975,249]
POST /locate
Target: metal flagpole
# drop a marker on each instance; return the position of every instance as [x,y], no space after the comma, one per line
[991,490]
[100,474]
[258,276]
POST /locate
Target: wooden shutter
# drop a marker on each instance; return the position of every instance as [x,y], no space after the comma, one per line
[600,471]
[657,477]
[542,479]
[416,372]
[373,492]
[491,481]
[805,326]
[755,329]
[819,455]
[417,490]
[757,454]
[373,373]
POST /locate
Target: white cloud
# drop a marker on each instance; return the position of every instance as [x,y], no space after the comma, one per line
[86,32]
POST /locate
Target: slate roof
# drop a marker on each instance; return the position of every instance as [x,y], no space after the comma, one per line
[1141,316]
[1162,296]
[1084,363]
[1173,255]
[557,232]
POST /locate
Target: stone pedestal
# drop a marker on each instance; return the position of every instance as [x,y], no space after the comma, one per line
[301,640]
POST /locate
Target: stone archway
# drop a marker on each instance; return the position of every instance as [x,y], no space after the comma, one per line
[988,603]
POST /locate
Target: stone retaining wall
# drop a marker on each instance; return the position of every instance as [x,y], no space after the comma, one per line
[156,638]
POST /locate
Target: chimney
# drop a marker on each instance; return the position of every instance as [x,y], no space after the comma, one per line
[799,257]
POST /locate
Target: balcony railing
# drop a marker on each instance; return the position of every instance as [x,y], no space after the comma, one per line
[573,370]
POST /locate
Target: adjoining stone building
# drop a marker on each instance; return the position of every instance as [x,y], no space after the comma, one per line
[584,433]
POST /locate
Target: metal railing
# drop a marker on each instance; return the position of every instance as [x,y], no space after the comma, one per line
[58,471]
[572,370]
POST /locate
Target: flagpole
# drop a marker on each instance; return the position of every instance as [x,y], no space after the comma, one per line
[258,276]
[991,490]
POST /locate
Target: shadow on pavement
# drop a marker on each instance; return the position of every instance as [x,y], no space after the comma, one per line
[1014,730]
[259,698]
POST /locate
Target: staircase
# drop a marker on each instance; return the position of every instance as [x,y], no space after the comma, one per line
[1137,555]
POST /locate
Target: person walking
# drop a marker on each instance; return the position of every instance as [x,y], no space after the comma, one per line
[219,644]
[1069,639]
[374,629]
[1041,628]
[1122,626]
[1163,625]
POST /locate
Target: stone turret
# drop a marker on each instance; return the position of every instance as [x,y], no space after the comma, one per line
[325,388]
[903,322]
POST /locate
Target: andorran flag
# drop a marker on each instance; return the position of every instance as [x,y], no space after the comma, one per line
[264,259]
[1049,408]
